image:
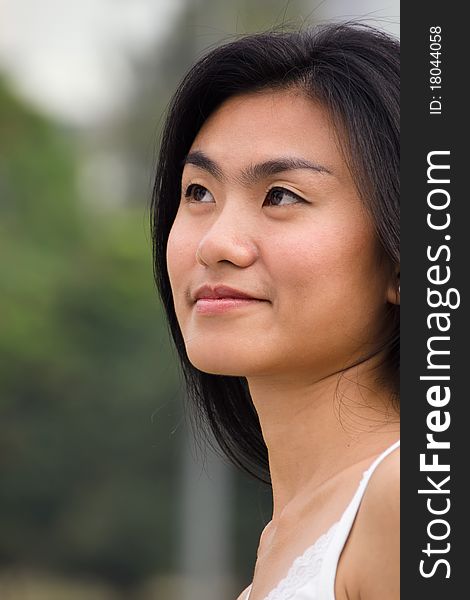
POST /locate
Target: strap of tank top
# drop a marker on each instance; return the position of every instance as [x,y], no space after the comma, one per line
[326,587]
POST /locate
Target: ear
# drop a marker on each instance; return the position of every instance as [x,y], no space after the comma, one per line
[393,288]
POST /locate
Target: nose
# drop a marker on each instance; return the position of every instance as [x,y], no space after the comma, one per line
[229,239]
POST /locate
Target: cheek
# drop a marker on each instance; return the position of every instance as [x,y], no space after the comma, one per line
[180,256]
[312,259]
[323,272]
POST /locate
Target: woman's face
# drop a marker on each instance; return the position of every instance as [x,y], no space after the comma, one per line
[269,207]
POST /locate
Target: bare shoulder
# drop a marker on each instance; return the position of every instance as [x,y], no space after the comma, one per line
[375,553]
[382,495]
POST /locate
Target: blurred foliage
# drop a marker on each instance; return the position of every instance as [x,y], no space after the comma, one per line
[87,381]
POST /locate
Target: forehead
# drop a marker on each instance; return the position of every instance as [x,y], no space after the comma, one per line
[261,125]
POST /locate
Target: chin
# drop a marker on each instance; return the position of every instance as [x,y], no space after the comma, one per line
[219,365]
[221,361]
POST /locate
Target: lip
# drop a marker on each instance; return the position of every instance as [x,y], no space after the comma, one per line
[221,298]
[219,292]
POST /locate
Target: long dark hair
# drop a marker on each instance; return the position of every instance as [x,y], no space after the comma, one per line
[353,70]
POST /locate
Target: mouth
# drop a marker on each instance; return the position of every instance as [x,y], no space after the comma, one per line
[221,298]
[221,305]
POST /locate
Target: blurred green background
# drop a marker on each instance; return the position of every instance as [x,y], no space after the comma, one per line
[104,493]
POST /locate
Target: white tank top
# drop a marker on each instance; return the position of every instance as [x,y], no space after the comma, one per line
[312,575]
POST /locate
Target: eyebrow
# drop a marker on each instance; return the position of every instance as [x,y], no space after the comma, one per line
[255,172]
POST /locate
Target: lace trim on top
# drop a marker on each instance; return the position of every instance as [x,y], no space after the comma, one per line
[303,569]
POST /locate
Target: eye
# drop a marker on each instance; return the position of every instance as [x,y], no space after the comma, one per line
[279,196]
[198,193]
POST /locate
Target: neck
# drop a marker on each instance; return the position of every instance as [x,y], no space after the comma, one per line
[315,429]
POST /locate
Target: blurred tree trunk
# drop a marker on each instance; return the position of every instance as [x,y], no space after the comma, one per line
[207,538]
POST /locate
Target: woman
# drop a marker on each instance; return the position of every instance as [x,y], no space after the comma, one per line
[275,227]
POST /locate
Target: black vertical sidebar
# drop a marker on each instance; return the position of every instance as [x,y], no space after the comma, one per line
[435,241]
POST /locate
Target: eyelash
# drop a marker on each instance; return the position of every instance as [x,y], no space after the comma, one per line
[190,189]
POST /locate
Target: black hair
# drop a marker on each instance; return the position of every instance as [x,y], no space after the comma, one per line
[352,70]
